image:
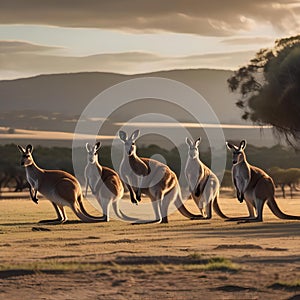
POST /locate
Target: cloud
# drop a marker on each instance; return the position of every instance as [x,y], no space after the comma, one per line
[23,47]
[223,59]
[210,18]
[28,63]
[248,41]
[15,63]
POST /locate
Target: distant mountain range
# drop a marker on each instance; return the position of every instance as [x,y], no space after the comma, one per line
[70,93]
[55,102]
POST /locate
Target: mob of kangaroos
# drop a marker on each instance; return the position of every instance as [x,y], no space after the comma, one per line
[156,180]
[254,186]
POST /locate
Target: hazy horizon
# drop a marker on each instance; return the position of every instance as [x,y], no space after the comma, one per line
[256,135]
[119,73]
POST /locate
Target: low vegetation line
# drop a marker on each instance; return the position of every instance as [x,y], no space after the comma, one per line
[123,264]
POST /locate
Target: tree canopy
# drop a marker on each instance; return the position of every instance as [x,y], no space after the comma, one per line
[269,88]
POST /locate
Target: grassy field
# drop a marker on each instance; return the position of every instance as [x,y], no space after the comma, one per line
[184,259]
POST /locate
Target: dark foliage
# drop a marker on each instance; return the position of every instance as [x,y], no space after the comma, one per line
[269,88]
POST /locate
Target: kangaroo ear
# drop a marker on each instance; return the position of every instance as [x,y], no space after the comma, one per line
[21,149]
[135,135]
[243,145]
[230,146]
[29,148]
[189,142]
[197,142]
[97,147]
[123,135]
[88,147]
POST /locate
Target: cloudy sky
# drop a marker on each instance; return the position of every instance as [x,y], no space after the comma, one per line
[137,36]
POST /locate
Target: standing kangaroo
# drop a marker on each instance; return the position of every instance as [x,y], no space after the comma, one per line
[60,187]
[254,186]
[104,183]
[153,178]
[203,183]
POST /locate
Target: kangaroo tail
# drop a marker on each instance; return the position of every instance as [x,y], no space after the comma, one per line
[278,213]
[119,213]
[217,208]
[82,214]
[182,209]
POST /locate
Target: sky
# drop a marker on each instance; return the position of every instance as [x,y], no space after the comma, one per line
[138,36]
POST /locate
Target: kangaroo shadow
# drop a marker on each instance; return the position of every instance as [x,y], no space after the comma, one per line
[39,224]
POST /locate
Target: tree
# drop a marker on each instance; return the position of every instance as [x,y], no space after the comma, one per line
[269,88]
[283,177]
[278,175]
[292,177]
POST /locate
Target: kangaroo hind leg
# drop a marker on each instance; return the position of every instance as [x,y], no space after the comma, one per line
[157,207]
[250,206]
[61,216]
[105,204]
[209,194]
[168,199]
[259,204]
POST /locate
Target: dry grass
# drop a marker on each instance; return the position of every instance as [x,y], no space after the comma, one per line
[116,260]
[221,264]
[290,286]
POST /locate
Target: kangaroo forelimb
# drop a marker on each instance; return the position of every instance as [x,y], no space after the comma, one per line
[33,196]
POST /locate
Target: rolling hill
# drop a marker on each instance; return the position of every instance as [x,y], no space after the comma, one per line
[54,102]
[70,93]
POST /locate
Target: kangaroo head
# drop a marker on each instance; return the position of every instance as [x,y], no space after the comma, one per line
[238,153]
[193,147]
[129,143]
[26,158]
[92,152]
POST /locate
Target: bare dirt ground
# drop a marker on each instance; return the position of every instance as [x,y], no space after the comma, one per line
[184,259]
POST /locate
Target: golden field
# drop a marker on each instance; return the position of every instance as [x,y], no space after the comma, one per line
[185,259]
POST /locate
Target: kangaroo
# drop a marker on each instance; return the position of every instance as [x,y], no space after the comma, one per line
[254,186]
[60,187]
[153,178]
[203,183]
[104,183]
